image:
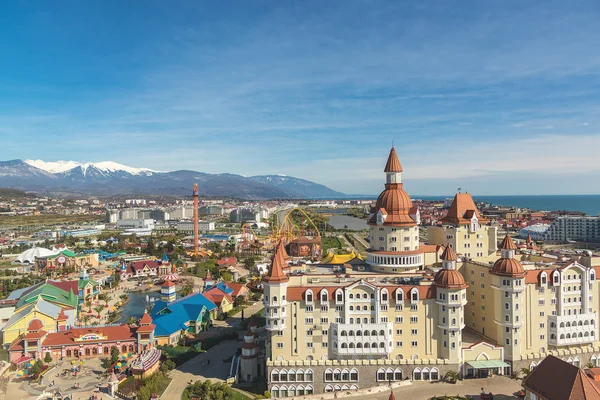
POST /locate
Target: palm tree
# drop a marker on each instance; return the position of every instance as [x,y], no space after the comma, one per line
[98,310]
[85,319]
[131,320]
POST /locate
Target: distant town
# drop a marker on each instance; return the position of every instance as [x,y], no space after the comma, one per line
[148,296]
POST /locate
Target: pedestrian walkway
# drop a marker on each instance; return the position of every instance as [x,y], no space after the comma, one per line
[209,365]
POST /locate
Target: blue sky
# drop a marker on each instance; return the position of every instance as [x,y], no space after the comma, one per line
[495,97]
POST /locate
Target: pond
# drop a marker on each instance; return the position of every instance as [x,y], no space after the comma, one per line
[137,303]
[347,222]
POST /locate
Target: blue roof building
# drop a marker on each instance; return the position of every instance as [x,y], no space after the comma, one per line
[192,314]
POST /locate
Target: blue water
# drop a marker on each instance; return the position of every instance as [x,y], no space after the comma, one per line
[136,304]
[589,204]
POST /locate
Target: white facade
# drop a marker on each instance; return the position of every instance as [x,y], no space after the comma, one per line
[565,228]
[135,224]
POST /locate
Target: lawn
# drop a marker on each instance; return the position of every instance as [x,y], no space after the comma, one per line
[44,219]
[330,243]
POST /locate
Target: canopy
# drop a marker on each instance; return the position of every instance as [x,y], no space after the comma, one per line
[484,364]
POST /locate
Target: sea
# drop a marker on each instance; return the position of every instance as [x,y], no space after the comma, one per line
[589,204]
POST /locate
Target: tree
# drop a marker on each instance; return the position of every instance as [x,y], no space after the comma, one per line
[106,363]
[36,369]
[249,262]
[226,276]
[131,320]
[150,247]
[114,354]
[187,289]
[48,358]
[98,310]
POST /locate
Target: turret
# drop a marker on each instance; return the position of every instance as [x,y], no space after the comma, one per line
[451,298]
[208,281]
[168,292]
[393,168]
[508,278]
[275,289]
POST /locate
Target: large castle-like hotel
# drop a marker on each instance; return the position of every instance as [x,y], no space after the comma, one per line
[418,311]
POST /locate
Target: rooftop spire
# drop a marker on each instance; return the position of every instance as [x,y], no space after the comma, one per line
[393,163]
[507,243]
[449,254]
[276,273]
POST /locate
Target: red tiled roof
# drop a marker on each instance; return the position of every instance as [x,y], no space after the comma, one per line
[146,319]
[35,325]
[275,273]
[296,293]
[508,243]
[393,163]
[137,265]
[237,288]
[168,284]
[227,261]
[462,210]
[112,334]
[67,286]
[556,379]
[449,254]
[216,295]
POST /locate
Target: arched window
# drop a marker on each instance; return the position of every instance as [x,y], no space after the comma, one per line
[367,345]
[351,333]
[381,345]
[543,278]
[351,320]
[324,295]
[300,375]
[365,320]
[359,345]
[417,374]
[552,336]
[399,295]
[568,324]
[351,346]
[354,375]
[351,296]
[506,318]
[351,308]
[339,296]
[274,376]
[381,374]
[274,299]
[562,324]
[328,389]
[283,376]
[425,374]
[275,391]
[373,333]
[414,295]
[309,375]
[397,374]
[365,296]
[365,308]
[366,333]
[292,375]
[328,375]
[381,332]
[435,374]
[562,336]
[384,295]
[309,296]
[568,336]
[358,333]
[344,346]
[344,333]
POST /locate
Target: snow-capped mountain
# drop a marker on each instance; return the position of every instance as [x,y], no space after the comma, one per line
[109,178]
[103,167]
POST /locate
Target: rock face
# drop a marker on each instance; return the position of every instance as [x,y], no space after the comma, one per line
[109,178]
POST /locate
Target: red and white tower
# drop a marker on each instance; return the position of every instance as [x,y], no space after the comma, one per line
[196,220]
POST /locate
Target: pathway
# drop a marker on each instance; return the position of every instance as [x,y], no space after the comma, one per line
[502,387]
[208,365]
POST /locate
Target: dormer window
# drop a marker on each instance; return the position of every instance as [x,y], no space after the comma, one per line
[309,296]
[414,295]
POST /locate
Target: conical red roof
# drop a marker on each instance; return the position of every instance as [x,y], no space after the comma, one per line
[276,273]
[393,163]
[146,319]
[507,243]
[449,254]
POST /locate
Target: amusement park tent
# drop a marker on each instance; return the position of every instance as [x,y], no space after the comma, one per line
[29,256]
[339,259]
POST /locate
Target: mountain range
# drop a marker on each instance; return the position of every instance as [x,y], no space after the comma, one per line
[109,178]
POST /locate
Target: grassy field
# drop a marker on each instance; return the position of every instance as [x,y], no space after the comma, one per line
[330,243]
[44,219]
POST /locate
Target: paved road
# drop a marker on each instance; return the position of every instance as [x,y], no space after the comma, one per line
[361,240]
[207,365]
[502,388]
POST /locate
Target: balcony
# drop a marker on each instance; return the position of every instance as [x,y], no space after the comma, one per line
[567,330]
[362,339]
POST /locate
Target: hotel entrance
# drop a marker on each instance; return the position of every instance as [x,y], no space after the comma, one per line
[486,368]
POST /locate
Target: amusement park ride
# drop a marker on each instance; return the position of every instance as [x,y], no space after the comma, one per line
[291,230]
